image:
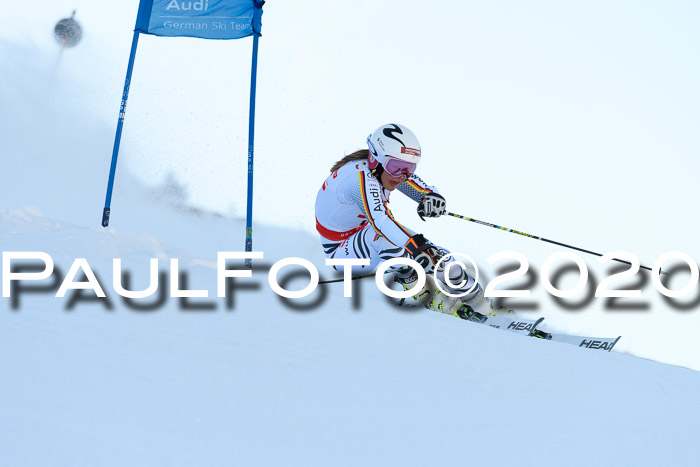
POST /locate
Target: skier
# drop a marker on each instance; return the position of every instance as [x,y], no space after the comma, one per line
[354,220]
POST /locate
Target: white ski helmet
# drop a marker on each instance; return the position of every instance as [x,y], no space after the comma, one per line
[395,142]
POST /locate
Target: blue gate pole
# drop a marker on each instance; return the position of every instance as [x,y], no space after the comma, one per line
[118,136]
[251,134]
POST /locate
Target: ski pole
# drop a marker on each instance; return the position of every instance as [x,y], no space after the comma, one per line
[364,276]
[539,238]
[342,279]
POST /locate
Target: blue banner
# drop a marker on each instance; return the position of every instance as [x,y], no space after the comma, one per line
[206,19]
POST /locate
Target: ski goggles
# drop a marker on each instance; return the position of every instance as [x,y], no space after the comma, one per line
[397,167]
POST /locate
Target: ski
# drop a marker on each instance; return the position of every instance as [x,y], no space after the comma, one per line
[511,322]
[593,343]
[514,324]
[507,323]
[529,328]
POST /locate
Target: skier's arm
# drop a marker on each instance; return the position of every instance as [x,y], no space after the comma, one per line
[430,201]
[371,205]
[415,188]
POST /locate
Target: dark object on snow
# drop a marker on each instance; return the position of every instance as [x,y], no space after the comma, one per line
[68,32]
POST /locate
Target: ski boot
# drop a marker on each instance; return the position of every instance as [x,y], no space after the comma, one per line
[438,301]
[407,277]
[453,306]
[442,302]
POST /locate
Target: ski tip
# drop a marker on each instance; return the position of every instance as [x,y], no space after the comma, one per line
[613,344]
[534,326]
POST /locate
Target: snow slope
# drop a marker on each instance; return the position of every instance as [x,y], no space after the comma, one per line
[588,142]
[263,383]
[260,381]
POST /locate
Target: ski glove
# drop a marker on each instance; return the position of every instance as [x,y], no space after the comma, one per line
[432,205]
[424,253]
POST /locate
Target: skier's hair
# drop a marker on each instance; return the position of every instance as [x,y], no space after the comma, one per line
[355,156]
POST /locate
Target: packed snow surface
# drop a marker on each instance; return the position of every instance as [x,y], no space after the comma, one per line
[253,379]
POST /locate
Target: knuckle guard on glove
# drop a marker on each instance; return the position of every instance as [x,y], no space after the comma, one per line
[424,253]
[433,205]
